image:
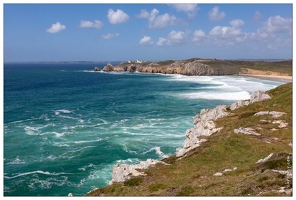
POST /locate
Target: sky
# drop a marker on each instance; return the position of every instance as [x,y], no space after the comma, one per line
[145,31]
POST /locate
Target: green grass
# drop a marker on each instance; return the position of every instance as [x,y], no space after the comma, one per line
[193,175]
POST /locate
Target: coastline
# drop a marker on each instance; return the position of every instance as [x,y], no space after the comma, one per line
[269,77]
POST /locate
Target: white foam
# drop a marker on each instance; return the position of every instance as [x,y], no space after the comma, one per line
[158,152]
[57,112]
[217,95]
[16,161]
[36,172]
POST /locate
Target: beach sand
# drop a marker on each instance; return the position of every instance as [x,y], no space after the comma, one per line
[270,77]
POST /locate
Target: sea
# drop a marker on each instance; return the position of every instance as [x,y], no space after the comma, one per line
[66,126]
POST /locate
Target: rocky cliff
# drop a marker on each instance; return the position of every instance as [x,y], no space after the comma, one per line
[204,126]
[244,149]
[196,67]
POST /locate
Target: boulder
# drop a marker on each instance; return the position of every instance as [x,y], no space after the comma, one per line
[239,104]
[247,131]
[97,69]
[259,96]
[122,172]
[108,68]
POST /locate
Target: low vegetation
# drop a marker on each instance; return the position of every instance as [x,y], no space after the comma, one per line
[193,175]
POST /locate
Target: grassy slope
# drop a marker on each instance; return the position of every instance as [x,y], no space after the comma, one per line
[193,175]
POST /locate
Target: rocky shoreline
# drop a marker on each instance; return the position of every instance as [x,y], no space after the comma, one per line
[204,123]
[204,126]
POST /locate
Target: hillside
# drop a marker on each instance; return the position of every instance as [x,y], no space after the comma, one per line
[228,163]
[205,67]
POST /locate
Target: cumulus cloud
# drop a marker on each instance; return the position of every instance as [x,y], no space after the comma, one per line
[257,15]
[189,8]
[276,33]
[277,24]
[174,38]
[55,28]
[198,35]
[117,17]
[215,14]
[110,35]
[143,14]
[157,21]
[237,23]
[146,41]
[88,24]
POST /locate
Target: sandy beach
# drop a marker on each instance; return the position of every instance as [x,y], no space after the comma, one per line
[270,77]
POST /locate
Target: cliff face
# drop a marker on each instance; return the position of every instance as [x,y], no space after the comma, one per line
[193,67]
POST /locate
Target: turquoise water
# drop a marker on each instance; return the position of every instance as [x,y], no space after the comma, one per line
[66,126]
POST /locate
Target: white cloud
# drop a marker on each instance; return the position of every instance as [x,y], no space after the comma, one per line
[110,35]
[161,41]
[143,14]
[55,28]
[117,17]
[198,35]
[215,14]
[88,24]
[189,8]
[146,40]
[257,15]
[277,24]
[237,23]
[174,38]
[157,21]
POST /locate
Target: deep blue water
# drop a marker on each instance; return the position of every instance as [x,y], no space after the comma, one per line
[66,126]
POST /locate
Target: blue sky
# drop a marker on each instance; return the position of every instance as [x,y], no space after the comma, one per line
[118,32]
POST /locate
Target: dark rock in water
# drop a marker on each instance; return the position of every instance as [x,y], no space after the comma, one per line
[97,69]
[108,68]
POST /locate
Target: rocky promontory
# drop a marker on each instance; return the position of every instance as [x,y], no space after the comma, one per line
[205,67]
[191,67]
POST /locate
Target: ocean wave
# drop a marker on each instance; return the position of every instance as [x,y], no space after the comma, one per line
[36,172]
[36,130]
[36,183]
[16,161]
[217,95]
[86,166]
[57,112]
[157,151]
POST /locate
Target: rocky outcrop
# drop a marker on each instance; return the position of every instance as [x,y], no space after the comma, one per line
[204,123]
[108,68]
[259,96]
[247,131]
[203,126]
[239,104]
[97,69]
[123,172]
[191,67]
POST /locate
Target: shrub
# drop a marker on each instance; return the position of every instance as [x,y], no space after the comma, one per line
[156,186]
[246,114]
[133,181]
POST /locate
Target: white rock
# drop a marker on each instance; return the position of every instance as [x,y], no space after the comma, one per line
[247,131]
[203,126]
[259,96]
[239,104]
[217,174]
[264,159]
[123,172]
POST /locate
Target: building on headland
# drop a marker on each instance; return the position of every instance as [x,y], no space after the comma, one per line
[138,61]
